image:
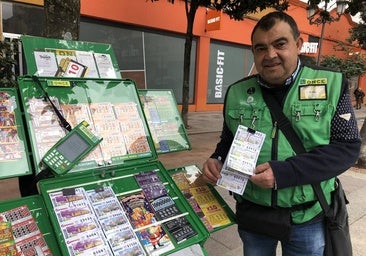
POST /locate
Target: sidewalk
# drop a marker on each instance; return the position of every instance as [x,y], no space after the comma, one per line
[204,133]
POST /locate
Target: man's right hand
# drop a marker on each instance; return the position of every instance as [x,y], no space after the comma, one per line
[211,171]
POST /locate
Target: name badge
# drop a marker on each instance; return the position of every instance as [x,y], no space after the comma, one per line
[313,92]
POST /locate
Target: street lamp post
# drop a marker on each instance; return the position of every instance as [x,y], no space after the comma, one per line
[318,16]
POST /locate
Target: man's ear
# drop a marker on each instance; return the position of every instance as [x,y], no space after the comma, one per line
[299,43]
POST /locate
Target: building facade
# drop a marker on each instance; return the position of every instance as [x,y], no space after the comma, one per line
[148,40]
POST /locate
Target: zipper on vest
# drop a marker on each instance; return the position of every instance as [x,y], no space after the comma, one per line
[274,156]
[274,137]
[274,130]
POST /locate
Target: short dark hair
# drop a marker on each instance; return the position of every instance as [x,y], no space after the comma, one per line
[269,20]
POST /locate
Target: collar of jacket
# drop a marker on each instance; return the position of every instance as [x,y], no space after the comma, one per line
[288,81]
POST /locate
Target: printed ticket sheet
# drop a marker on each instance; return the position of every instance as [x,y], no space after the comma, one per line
[241,160]
[46,63]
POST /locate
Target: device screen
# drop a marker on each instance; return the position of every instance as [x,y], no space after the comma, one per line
[73,147]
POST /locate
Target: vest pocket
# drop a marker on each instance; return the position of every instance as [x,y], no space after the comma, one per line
[251,118]
[312,121]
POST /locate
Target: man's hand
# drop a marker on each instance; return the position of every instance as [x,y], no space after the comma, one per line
[211,170]
[263,177]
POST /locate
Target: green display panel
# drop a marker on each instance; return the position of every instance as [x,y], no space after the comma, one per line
[14,160]
[165,123]
[136,206]
[17,210]
[111,107]
[46,57]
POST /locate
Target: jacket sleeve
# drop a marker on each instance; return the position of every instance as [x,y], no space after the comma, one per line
[226,138]
[327,161]
[223,146]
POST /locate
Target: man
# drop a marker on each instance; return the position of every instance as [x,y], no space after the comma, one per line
[318,105]
[359,95]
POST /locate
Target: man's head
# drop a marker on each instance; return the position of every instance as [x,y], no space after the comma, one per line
[276,44]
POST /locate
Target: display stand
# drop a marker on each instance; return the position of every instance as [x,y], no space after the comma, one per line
[111,107]
[119,200]
[14,159]
[165,123]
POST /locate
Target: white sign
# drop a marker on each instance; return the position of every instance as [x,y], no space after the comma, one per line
[219,74]
[308,47]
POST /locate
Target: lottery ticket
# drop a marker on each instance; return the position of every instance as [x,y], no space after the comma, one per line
[49,134]
[102,111]
[151,185]
[32,245]
[69,213]
[88,243]
[16,215]
[133,248]
[180,229]
[61,199]
[136,143]
[77,226]
[9,250]
[42,106]
[232,180]
[114,222]
[244,150]
[164,207]
[215,214]
[105,125]
[6,233]
[138,210]
[25,229]
[126,111]
[120,237]
[100,194]
[107,207]
[210,207]
[75,113]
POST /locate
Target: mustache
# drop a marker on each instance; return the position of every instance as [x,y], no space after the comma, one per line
[271,62]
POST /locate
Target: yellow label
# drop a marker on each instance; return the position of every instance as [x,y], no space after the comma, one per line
[58,83]
[305,81]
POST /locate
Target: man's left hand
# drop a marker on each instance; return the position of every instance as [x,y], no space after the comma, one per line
[263,176]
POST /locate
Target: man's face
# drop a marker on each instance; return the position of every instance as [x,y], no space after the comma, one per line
[276,53]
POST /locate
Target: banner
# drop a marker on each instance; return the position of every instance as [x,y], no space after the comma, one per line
[213,20]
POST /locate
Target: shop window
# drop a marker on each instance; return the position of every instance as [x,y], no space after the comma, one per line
[164,63]
[228,64]
[23,19]
[127,43]
[152,60]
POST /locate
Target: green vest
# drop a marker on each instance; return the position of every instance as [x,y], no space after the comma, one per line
[310,105]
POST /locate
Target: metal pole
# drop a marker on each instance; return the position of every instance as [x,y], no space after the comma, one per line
[322,34]
[320,43]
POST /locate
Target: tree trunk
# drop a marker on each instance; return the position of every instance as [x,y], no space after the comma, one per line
[362,157]
[190,14]
[62,19]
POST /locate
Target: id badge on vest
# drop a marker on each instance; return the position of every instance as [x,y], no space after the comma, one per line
[241,159]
